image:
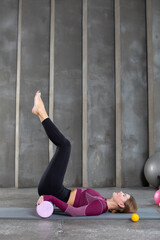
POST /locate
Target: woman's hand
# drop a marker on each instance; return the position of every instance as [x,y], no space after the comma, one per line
[40,200]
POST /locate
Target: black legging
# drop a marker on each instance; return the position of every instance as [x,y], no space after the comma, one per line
[51,182]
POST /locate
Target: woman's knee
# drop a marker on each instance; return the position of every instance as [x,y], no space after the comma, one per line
[67,144]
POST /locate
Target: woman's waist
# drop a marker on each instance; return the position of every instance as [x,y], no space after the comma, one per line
[72,197]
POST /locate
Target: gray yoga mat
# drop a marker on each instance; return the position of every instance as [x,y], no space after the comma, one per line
[30,213]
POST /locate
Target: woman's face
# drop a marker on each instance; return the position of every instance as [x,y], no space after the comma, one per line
[120,198]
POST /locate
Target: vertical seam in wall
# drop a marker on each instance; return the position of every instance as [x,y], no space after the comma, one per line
[18,94]
[51,81]
[118,96]
[150,76]
[85,100]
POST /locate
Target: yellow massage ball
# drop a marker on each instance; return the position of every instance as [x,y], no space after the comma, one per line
[135,217]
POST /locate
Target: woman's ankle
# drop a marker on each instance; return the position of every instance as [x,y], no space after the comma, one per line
[42,117]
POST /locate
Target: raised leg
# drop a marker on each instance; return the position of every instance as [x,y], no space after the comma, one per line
[51,182]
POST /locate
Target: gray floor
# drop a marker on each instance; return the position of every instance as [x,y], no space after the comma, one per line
[77,229]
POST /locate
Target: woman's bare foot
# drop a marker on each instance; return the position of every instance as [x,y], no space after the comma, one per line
[39,108]
[37,103]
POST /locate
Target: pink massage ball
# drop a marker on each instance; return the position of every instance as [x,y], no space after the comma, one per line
[157,197]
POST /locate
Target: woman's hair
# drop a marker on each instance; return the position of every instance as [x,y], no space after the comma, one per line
[130,206]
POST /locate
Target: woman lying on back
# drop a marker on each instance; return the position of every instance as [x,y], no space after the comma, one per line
[76,202]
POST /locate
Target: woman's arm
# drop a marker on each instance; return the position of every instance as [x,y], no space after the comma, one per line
[94,208]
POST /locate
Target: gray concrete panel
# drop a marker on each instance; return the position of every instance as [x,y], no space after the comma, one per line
[134,92]
[68,82]
[101,94]
[8,51]
[34,76]
[150,77]
[156,59]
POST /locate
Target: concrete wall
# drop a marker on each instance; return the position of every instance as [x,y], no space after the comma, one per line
[156,70]
[101,94]
[68,88]
[134,92]
[8,51]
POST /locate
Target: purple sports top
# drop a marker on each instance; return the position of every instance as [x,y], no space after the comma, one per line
[87,202]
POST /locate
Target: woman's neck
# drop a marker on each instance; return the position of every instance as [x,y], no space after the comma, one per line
[111,204]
